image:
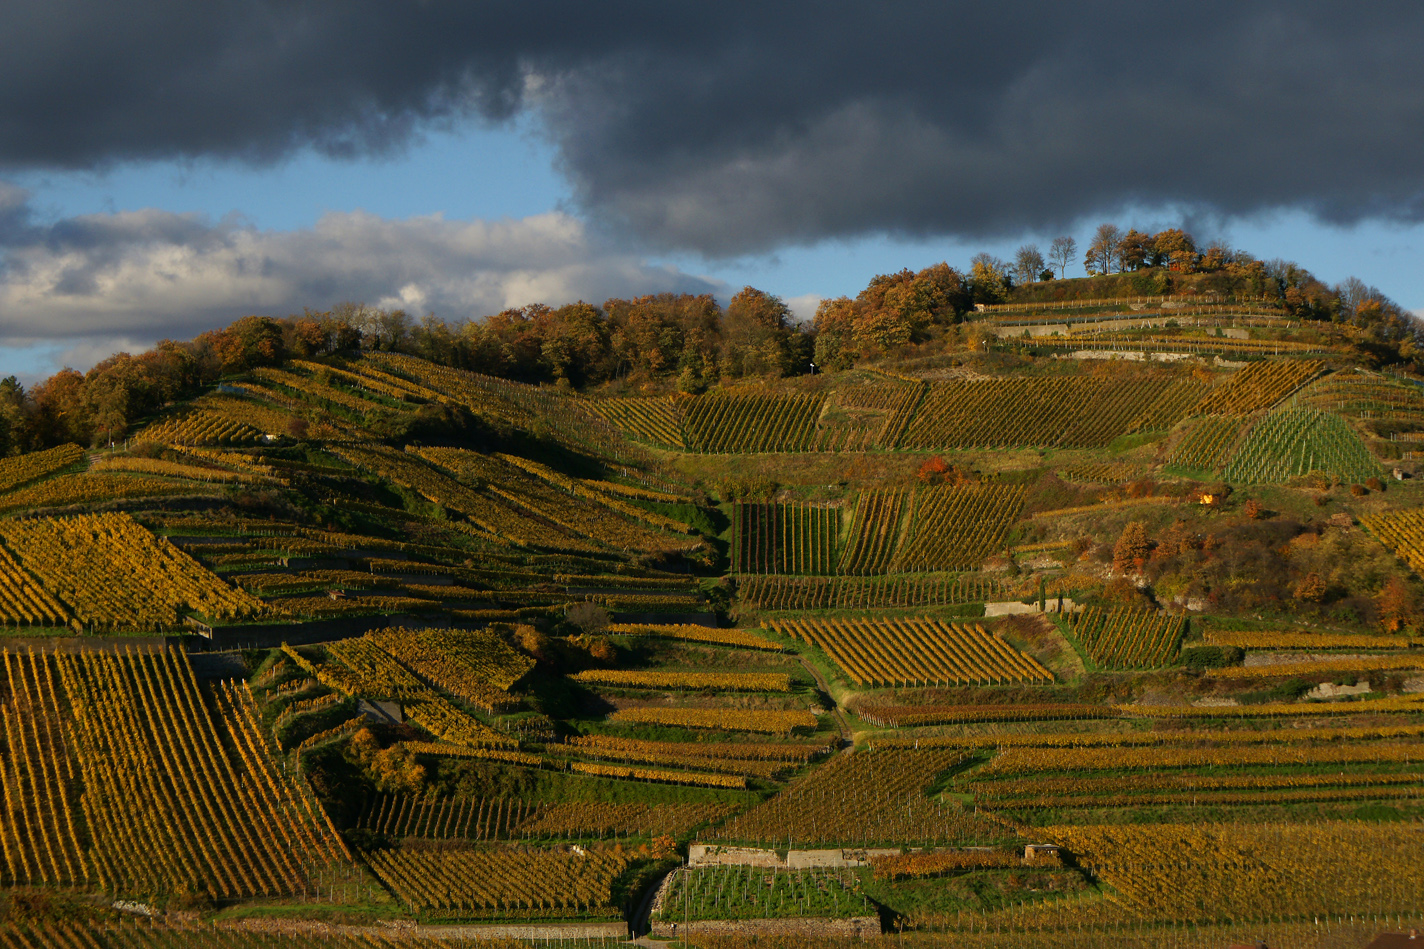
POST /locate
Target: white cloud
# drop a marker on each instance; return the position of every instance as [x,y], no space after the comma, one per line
[146,274]
[804,306]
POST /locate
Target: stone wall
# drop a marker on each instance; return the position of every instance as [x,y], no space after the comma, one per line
[855,927]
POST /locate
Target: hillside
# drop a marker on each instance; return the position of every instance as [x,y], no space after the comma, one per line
[353,635]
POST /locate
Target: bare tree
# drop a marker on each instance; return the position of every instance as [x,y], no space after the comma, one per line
[1028,263]
[1352,293]
[1060,252]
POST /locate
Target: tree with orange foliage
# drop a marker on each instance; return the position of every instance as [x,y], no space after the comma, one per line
[1132,548]
[1395,603]
[934,471]
[1311,589]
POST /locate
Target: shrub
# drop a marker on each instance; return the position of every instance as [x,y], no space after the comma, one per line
[1212,657]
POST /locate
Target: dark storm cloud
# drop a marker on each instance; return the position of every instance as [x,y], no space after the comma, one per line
[727,128]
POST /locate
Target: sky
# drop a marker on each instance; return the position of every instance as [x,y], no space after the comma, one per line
[166,168]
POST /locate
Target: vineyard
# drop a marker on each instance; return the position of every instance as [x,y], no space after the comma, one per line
[756,893]
[524,648]
[1285,639]
[1240,871]
[1260,385]
[203,429]
[912,715]
[1102,472]
[680,681]
[22,469]
[865,798]
[175,934]
[516,884]
[1206,446]
[867,416]
[1358,394]
[68,490]
[23,600]
[784,538]
[1292,441]
[1129,639]
[479,667]
[545,495]
[759,761]
[723,719]
[1083,412]
[852,593]
[740,638]
[955,527]
[1402,531]
[477,821]
[892,652]
[114,574]
[657,421]
[751,423]
[1321,667]
[135,784]
[496,517]
[874,532]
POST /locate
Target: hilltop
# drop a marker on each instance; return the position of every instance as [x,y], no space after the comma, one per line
[349,618]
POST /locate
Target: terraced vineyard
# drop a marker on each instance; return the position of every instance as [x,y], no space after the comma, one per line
[1207,443]
[1129,639]
[1402,531]
[23,469]
[856,593]
[865,798]
[874,532]
[751,423]
[784,538]
[915,652]
[956,527]
[1107,473]
[136,784]
[1064,412]
[515,884]
[1259,386]
[113,574]
[1290,442]
[753,893]
[657,421]
[523,646]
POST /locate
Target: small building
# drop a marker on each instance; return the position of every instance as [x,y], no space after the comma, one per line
[1043,853]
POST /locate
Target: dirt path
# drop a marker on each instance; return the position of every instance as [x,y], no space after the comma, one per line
[639,925]
[825,688]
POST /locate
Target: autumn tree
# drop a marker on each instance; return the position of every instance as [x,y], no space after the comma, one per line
[1061,253]
[1102,253]
[756,334]
[989,278]
[1132,548]
[1395,604]
[12,416]
[1175,249]
[835,333]
[1311,589]
[1135,250]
